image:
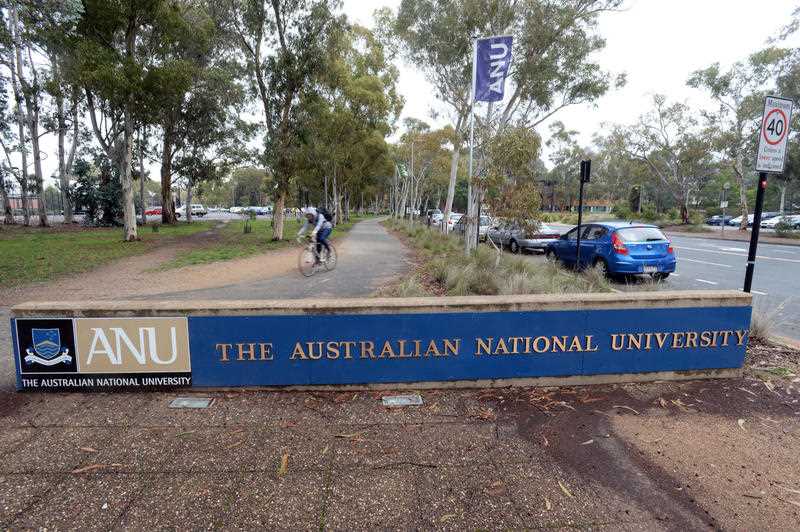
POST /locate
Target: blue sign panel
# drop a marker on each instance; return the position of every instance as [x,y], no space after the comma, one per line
[396,348]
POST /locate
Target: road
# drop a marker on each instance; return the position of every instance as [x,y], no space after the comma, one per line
[720,264]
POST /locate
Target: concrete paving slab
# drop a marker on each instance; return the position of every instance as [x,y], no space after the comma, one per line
[93,502]
[294,501]
[366,499]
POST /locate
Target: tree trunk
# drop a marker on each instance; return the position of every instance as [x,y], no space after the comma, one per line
[8,214]
[167,207]
[128,205]
[32,115]
[277,216]
[783,198]
[22,177]
[451,187]
[141,176]
[62,168]
[189,200]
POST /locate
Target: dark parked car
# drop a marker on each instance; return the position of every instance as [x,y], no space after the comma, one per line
[718,219]
[618,248]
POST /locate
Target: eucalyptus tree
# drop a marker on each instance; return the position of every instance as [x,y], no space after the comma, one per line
[112,70]
[345,122]
[552,66]
[28,89]
[6,166]
[192,93]
[733,127]
[50,27]
[284,44]
[667,139]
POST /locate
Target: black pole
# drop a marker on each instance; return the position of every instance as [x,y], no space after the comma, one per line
[751,255]
[580,219]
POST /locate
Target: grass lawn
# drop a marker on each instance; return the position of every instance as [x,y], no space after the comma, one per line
[233,243]
[445,270]
[29,254]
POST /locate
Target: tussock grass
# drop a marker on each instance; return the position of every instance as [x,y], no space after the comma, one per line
[764,319]
[485,272]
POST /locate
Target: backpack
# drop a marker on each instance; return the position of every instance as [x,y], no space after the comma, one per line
[326,213]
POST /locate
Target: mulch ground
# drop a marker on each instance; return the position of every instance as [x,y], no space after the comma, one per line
[657,456]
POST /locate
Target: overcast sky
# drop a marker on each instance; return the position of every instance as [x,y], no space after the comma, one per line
[658,43]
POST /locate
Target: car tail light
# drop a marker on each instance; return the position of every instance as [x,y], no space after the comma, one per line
[619,247]
[669,248]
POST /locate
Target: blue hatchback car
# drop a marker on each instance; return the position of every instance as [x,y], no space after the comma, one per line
[617,248]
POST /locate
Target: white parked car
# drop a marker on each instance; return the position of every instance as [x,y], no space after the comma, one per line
[197,210]
[454,218]
[792,220]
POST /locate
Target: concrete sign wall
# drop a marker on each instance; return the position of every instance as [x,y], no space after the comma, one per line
[466,341]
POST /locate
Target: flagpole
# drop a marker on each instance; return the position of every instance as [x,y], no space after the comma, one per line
[472,126]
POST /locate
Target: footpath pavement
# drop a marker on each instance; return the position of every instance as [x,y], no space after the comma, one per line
[368,257]
[662,456]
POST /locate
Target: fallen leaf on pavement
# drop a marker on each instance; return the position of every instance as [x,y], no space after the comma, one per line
[564,489]
[741,424]
[547,504]
[790,502]
[627,408]
[545,443]
[93,467]
[662,402]
[587,442]
[284,467]
[88,450]
[790,490]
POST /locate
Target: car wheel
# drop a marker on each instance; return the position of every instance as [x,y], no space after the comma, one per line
[601,267]
[513,247]
[660,276]
[550,255]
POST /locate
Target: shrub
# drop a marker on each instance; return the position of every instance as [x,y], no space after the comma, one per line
[784,229]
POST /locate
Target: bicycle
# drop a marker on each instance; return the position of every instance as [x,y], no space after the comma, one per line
[309,261]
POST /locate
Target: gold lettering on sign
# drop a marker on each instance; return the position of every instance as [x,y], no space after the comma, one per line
[691,339]
[541,344]
[677,340]
[725,335]
[617,342]
[266,351]
[433,349]
[367,349]
[740,337]
[589,344]
[250,351]
[224,351]
[298,352]
[451,348]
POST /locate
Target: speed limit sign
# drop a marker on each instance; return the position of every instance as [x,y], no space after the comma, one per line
[774,135]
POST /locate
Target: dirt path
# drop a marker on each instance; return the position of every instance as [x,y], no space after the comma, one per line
[136,276]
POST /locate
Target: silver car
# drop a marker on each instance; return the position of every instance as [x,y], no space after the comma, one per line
[460,227]
[510,235]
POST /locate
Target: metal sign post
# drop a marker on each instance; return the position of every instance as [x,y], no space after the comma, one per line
[772,140]
[586,170]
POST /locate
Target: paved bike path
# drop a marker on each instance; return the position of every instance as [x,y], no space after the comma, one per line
[368,257]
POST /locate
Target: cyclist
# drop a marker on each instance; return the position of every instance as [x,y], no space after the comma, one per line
[321,230]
